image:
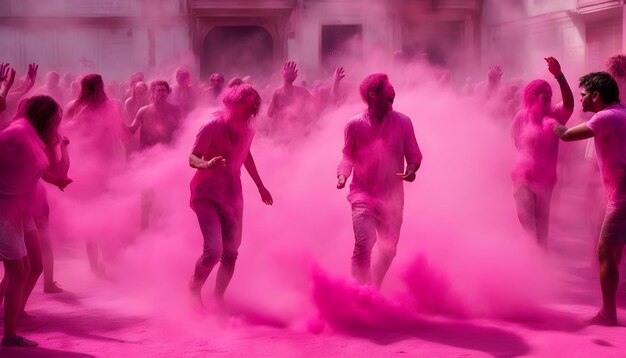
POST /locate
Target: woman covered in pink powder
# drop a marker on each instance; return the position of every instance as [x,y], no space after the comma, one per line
[222,146]
[534,173]
[23,161]
[99,136]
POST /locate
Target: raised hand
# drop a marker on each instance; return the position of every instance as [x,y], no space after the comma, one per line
[495,71]
[4,72]
[554,66]
[32,71]
[290,66]
[339,74]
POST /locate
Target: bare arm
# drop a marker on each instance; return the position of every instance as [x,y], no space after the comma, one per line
[578,132]
[566,92]
[271,110]
[254,174]
[57,173]
[195,161]
[138,121]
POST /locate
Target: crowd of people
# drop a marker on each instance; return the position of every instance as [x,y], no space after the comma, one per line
[380,153]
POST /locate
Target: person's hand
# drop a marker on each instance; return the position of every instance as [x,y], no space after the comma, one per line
[495,71]
[290,66]
[216,162]
[63,183]
[554,66]
[339,74]
[65,141]
[559,129]
[4,72]
[32,71]
[7,75]
[408,176]
[266,197]
[341,182]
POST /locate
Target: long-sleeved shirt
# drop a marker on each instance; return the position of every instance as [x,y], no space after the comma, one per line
[375,152]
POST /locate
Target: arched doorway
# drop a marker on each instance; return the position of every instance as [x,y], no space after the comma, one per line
[237,51]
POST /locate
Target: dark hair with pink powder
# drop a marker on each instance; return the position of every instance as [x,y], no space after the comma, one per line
[238,94]
[603,83]
[92,93]
[372,83]
[156,83]
[533,89]
[44,113]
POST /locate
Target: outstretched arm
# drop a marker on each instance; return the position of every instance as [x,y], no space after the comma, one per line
[566,92]
[254,174]
[578,132]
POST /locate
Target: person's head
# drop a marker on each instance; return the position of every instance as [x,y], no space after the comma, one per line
[537,94]
[616,66]
[289,72]
[216,80]
[597,90]
[235,81]
[159,90]
[44,113]
[182,77]
[377,92]
[140,90]
[92,91]
[52,79]
[243,100]
[135,77]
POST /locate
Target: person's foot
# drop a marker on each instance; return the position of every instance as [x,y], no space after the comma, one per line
[602,318]
[18,341]
[52,288]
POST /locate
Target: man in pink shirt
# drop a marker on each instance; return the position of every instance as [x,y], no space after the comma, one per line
[376,145]
[600,95]
[221,148]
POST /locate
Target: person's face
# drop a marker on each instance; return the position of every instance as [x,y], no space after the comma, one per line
[586,99]
[251,106]
[160,93]
[383,100]
[141,90]
[543,99]
[183,79]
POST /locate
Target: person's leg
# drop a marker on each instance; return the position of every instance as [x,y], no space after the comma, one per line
[609,253]
[525,201]
[147,197]
[92,255]
[386,245]
[47,258]
[231,238]
[33,249]
[212,248]
[364,224]
[16,274]
[542,216]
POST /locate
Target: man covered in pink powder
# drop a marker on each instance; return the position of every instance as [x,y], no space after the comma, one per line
[157,124]
[221,148]
[600,95]
[376,145]
[291,106]
[534,173]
